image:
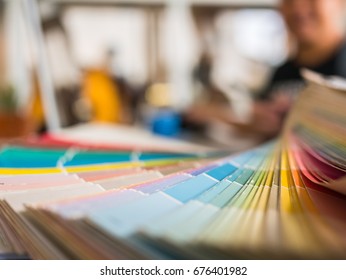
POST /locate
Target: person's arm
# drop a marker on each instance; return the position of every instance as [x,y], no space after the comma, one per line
[266,117]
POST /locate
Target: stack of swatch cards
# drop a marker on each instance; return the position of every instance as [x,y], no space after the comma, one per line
[66,199]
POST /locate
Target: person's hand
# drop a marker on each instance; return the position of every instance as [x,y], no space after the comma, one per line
[265,119]
[268,116]
[282,102]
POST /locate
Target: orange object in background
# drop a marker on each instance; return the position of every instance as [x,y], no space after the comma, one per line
[103,95]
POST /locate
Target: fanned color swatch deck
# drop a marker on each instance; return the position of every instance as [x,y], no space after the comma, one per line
[68,199]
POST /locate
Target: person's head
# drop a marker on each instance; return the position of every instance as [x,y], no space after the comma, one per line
[312,20]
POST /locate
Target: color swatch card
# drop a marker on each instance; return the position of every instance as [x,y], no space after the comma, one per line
[71,196]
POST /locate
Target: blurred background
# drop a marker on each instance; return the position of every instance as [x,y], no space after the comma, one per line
[134,62]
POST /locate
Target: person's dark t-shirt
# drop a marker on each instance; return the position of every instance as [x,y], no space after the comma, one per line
[288,80]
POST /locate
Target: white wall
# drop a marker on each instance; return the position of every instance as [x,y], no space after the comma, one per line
[94,30]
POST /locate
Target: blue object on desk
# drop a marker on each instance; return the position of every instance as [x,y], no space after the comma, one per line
[166,122]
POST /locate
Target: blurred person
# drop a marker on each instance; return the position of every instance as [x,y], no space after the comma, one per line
[317,30]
